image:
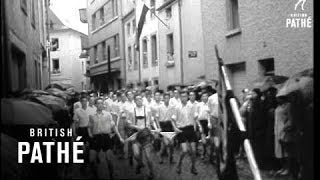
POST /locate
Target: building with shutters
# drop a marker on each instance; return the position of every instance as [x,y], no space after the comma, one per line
[24,61]
[105,33]
[66,64]
[253,39]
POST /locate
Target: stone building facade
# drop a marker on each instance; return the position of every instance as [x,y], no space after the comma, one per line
[24,41]
[253,39]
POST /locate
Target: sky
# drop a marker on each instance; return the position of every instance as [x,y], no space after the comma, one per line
[68,12]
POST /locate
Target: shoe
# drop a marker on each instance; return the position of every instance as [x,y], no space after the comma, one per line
[285,172]
[151,176]
[161,161]
[178,170]
[131,161]
[172,161]
[194,171]
[138,169]
[279,171]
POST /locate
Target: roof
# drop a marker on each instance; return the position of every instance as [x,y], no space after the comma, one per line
[57,25]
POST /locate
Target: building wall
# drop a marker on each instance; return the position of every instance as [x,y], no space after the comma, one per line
[68,55]
[263,35]
[132,71]
[27,38]
[172,74]
[105,33]
[192,39]
[150,72]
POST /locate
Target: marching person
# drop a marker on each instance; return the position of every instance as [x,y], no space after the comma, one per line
[140,120]
[127,110]
[164,116]
[213,103]
[193,102]
[203,120]
[101,125]
[175,100]
[184,125]
[81,121]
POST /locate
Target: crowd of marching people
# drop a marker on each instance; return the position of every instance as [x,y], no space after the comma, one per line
[132,123]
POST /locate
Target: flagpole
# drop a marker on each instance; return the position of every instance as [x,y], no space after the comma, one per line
[236,112]
[161,20]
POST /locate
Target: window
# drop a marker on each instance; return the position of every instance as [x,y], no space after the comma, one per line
[168,12]
[152,8]
[234,14]
[95,58]
[33,14]
[146,83]
[136,57]
[115,8]
[154,50]
[116,45]
[93,23]
[55,66]
[145,53]
[24,6]
[101,16]
[129,58]
[128,28]
[170,47]
[133,26]
[54,44]
[104,54]
[266,67]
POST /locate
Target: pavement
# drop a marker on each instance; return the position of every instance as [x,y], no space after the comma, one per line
[122,170]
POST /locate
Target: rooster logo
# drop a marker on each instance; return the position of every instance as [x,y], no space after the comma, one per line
[302,2]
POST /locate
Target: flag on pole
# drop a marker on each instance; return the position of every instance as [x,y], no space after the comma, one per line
[226,169]
[140,24]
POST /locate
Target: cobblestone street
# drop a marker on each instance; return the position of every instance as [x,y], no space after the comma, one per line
[206,171]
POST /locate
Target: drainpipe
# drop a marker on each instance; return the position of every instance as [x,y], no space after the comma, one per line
[48,38]
[181,44]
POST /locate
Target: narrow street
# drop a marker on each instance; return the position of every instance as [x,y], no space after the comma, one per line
[122,170]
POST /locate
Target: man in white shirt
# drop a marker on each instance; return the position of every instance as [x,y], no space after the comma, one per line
[101,125]
[80,126]
[164,116]
[203,121]
[175,100]
[185,126]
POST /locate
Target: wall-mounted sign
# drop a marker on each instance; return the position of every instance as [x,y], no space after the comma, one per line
[192,54]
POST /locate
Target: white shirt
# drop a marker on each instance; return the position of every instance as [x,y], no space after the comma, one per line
[203,111]
[213,103]
[174,102]
[185,115]
[91,110]
[82,116]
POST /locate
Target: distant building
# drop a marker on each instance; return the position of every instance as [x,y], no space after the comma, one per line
[181,44]
[253,39]
[149,44]
[67,66]
[107,69]
[23,44]
[129,23]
